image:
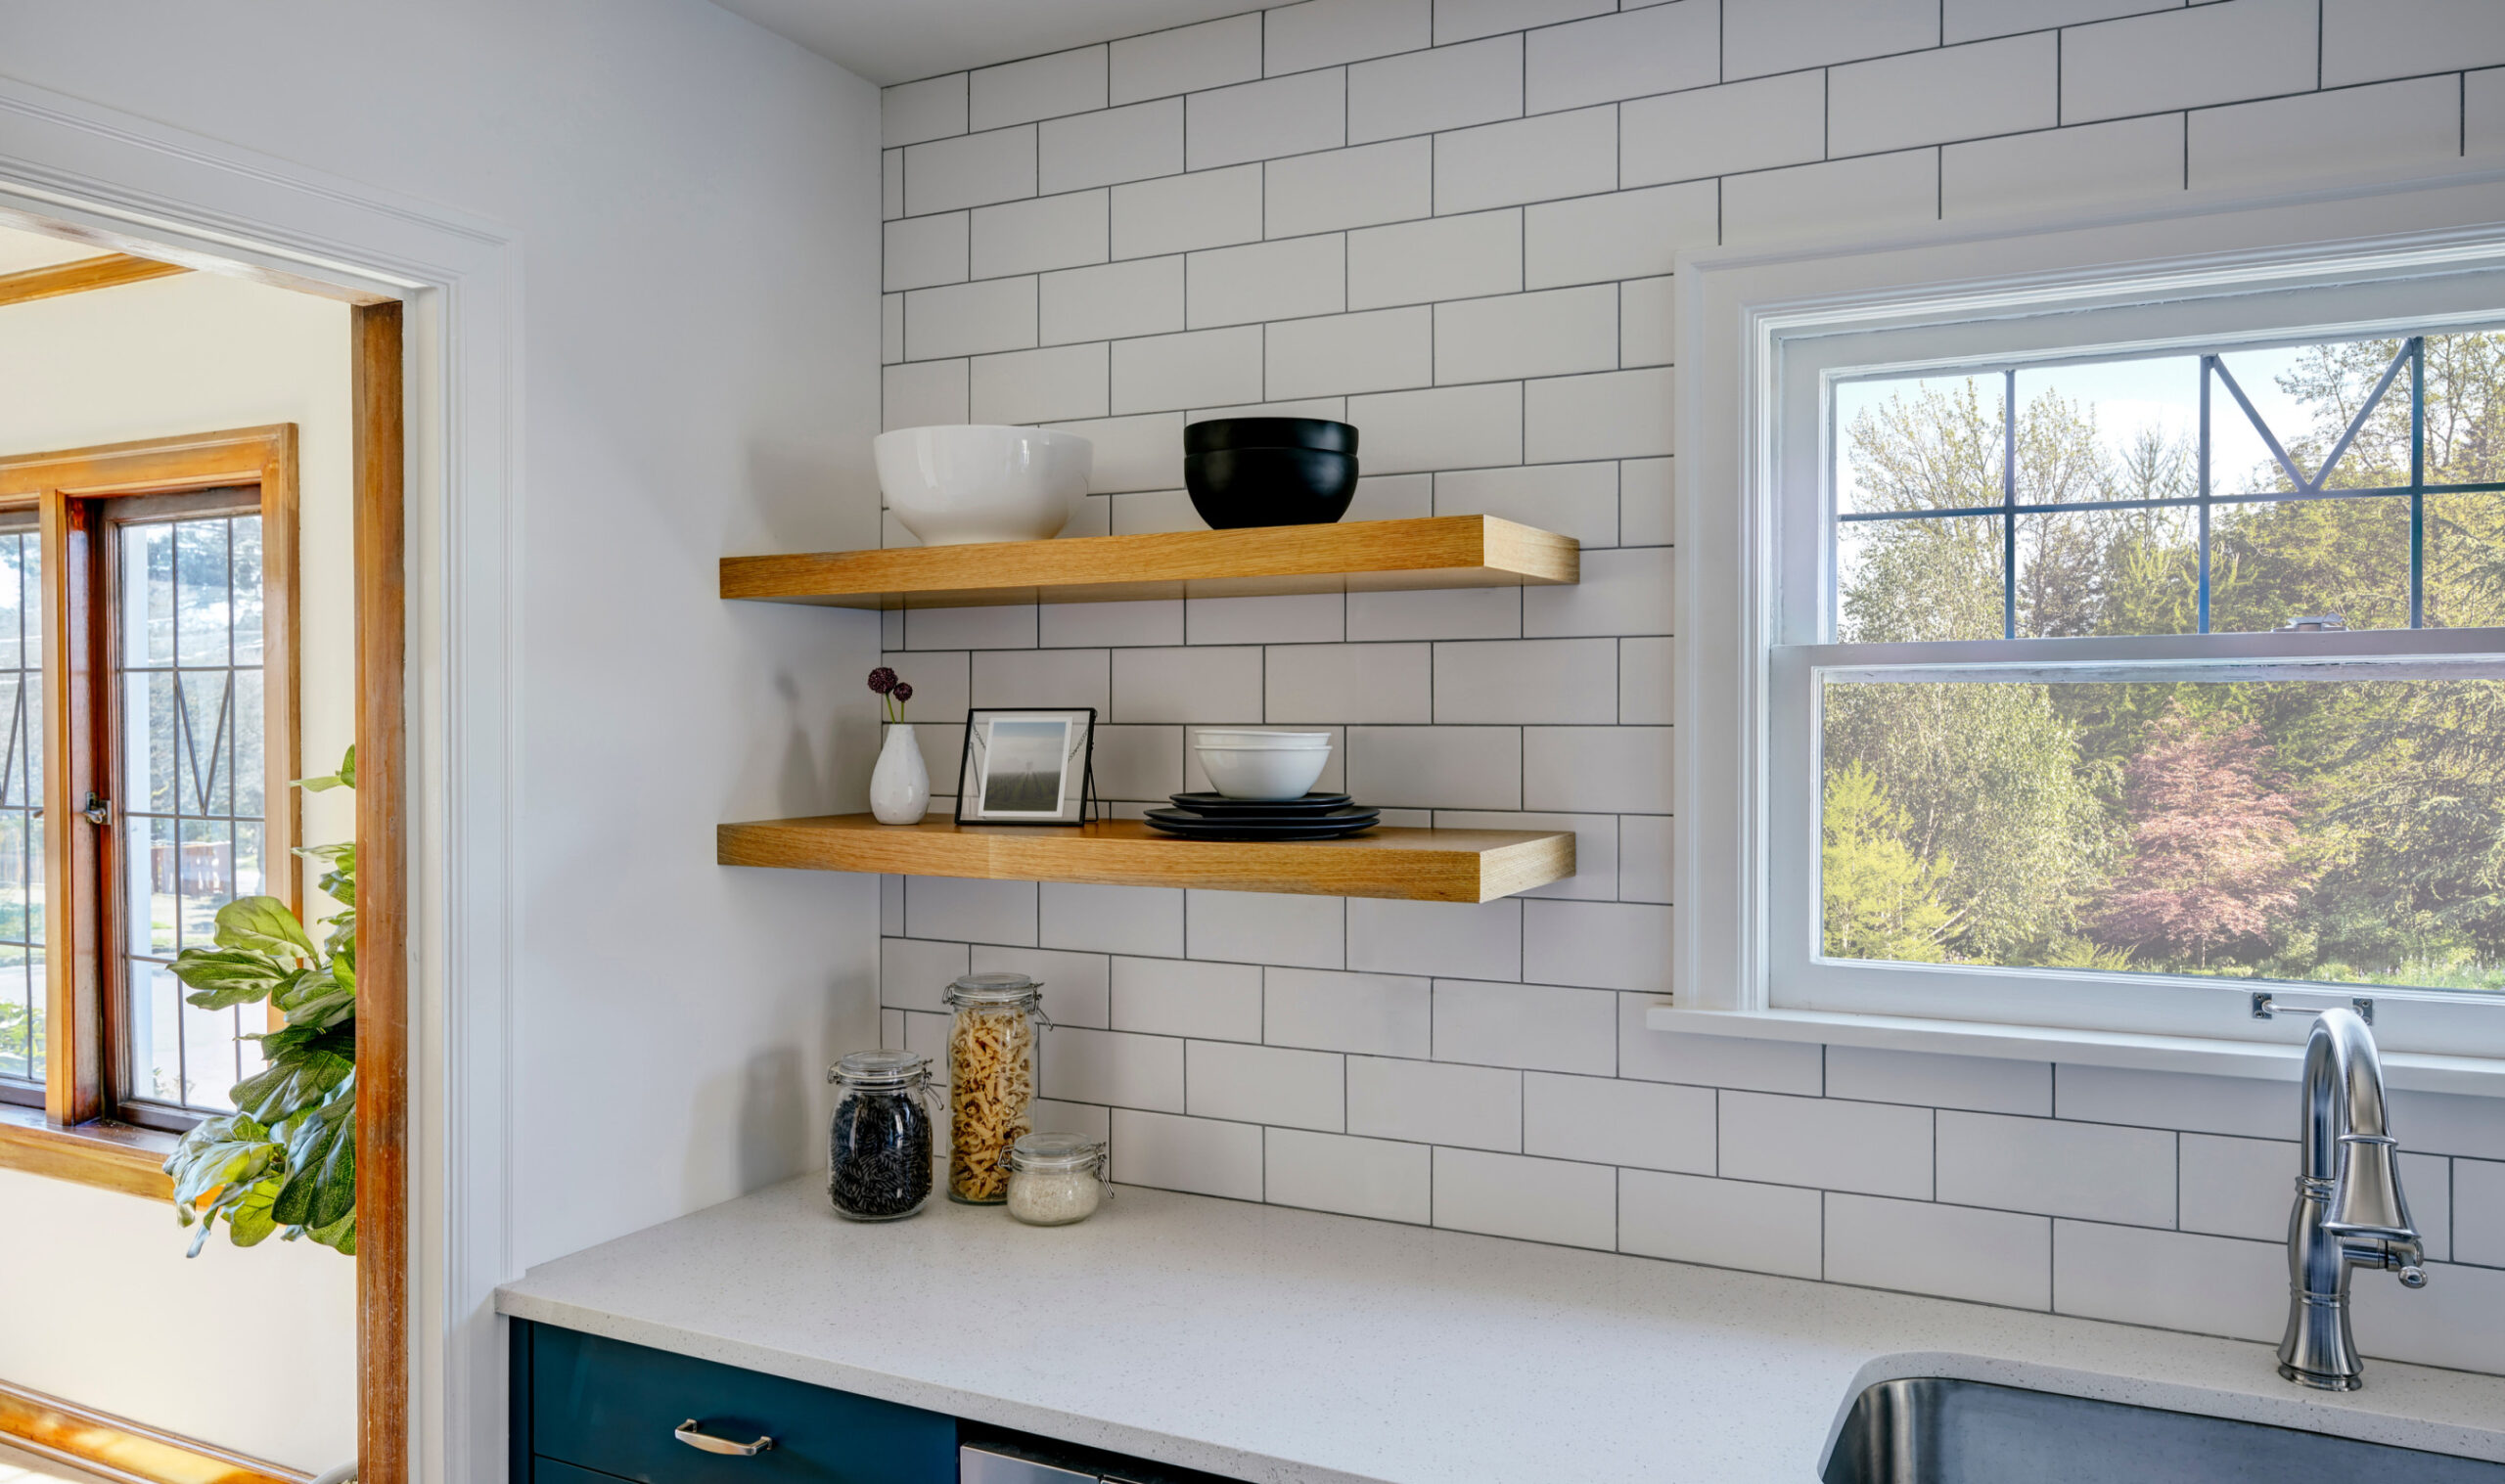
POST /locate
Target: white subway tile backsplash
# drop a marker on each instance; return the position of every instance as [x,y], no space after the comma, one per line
[890,184]
[2214,1286]
[1260,121]
[923,250]
[2097,1172]
[970,170]
[1973,20]
[1265,927]
[2446,1123]
[1644,502]
[1039,677]
[890,329]
[913,975]
[1446,89]
[1488,613]
[2245,1106]
[2477,1211]
[1009,626]
[1720,1223]
[1266,281]
[1201,1155]
[1644,859]
[1144,763]
[1526,335]
[1077,985]
[1597,770]
[1988,1257]
[1436,1103]
[1874,192]
[1112,301]
[1610,415]
[1349,683]
[913,112]
[1081,1065]
[1325,33]
[1647,322]
[1603,1120]
[1338,188]
[1446,428]
[1874,1147]
[1179,997]
[1621,592]
[2177,59]
[1775,1067]
[1136,143]
[1542,159]
[1265,1084]
[2235,1187]
[1607,945]
[1203,209]
[1032,236]
[982,912]
[1657,50]
[1354,1177]
[1781,35]
[2399,127]
[1131,919]
[970,319]
[1539,1026]
[1187,58]
[1039,87]
[1083,1118]
[1390,497]
[1481,940]
[1959,92]
[1383,350]
[1132,453]
[1981,1084]
[1101,625]
[1625,234]
[2465,1331]
[1175,371]
[2365,41]
[1644,679]
[1578,500]
[1286,618]
[1039,386]
[2123,161]
[1548,1201]
[1517,680]
[1205,685]
[1466,20]
[1451,258]
[1721,130]
[926,393]
[1380,1014]
[1437,767]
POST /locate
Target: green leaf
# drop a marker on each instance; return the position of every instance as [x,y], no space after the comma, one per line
[248,1221]
[345,777]
[290,1084]
[264,924]
[321,1184]
[339,1235]
[316,999]
[220,1152]
[228,976]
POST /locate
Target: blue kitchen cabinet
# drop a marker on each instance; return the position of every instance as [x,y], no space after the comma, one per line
[593,1410]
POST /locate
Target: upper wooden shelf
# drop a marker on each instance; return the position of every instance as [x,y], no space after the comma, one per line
[1368,556]
[1413,865]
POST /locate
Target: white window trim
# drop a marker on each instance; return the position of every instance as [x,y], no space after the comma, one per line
[1754,321]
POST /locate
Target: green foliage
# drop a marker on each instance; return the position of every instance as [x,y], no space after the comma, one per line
[1882,900]
[285,1160]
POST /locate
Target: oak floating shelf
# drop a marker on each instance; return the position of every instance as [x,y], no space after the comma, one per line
[1411,865]
[1367,556]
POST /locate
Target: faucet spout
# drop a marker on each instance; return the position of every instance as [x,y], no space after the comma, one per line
[2349,1209]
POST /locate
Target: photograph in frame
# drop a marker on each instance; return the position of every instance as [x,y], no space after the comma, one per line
[1026,765]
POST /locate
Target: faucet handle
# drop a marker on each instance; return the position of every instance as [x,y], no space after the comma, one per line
[2366,1199]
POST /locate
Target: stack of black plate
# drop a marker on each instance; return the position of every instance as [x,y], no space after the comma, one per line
[1215,817]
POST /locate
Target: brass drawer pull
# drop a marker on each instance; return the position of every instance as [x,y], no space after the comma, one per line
[689,1433]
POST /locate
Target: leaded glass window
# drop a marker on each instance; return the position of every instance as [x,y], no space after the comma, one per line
[21,884]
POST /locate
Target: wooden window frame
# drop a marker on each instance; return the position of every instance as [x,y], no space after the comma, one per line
[78,1135]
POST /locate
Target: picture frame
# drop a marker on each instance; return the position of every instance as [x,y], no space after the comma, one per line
[1027,765]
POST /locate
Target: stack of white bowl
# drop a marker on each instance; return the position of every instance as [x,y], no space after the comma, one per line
[1263,765]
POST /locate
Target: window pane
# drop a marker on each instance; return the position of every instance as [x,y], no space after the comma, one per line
[2464,396]
[192,755]
[1910,580]
[2109,431]
[1919,443]
[2273,561]
[21,977]
[2330,832]
[2465,561]
[2127,571]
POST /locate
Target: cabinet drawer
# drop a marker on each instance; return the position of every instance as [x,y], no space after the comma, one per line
[605,1404]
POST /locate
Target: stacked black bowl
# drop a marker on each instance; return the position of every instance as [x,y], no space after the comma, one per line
[1270,470]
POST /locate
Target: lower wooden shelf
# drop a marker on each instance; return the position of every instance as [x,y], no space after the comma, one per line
[1412,864]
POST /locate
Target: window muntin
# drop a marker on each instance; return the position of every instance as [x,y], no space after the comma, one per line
[21,845]
[188,769]
[2210,493]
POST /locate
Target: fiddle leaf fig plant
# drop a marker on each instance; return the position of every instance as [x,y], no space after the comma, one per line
[285,1160]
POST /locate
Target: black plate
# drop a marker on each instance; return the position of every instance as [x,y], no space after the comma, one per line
[1219,805]
[1211,830]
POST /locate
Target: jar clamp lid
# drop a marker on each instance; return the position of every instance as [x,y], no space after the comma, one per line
[1056,1151]
[1000,991]
[881,1069]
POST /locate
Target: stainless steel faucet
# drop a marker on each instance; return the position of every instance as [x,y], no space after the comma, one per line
[2350,1211]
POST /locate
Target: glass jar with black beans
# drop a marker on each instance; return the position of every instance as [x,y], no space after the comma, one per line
[878,1149]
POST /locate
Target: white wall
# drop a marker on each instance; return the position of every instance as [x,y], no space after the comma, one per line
[192,354]
[1451,222]
[694,203]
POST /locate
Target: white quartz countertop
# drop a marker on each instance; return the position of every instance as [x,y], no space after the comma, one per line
[1277,1345]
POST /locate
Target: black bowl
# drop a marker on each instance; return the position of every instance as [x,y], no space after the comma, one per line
[1233,487]
[1269,432]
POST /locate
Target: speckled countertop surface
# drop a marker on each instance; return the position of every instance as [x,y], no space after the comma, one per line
[1279,1345]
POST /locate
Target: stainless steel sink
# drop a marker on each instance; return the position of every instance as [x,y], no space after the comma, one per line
[1936,1431]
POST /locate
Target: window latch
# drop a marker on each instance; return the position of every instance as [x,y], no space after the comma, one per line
[99,811]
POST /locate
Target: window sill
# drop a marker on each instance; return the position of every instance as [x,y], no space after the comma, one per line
[111,1156]
[2416,1071]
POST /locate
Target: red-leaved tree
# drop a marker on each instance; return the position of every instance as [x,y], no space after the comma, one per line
[2214,836]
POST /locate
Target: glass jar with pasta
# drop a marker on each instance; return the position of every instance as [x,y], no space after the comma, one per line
[991,1080]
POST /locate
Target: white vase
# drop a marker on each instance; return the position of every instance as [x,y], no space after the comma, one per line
[900,786]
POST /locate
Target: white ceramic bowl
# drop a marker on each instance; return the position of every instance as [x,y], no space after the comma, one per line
[966,482]
[1294,742]
[1267,772]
